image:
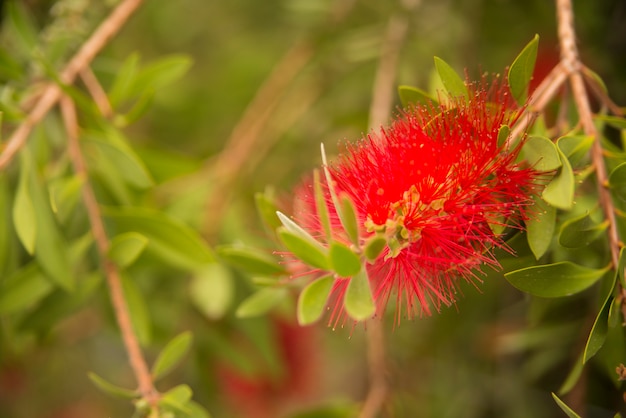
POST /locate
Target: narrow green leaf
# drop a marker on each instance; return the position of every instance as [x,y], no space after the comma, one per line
[261,302]
[24,218]
[65,195]
[454,84]
[297,230]
[575,148]
[580,231]
[321,205]
[358,302]
[349,219]
[598,331]
[343,260]
[111,389]
[503,135]
[175,242]
[564,407]
[138,310]
[22,24]
[313,254]
[410,96]
[540,228]
[312,300]
[125,76]
[615,121]
[560,191]
[140,107]
[554,280]
[541,153]
[621,267]
[50,246]
[23,289]
[171,355]
[159,74]
[126,247]
[177,398]
[197,410]
[125,161]
[521,71]
[211,290]
[373,247]
[617,181]
[6,245]
[573,376]
[266,208]
[250,260]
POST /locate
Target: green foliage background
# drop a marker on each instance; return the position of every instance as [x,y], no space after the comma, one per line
[496,353]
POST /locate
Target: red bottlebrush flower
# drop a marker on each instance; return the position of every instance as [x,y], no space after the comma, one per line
[435,183]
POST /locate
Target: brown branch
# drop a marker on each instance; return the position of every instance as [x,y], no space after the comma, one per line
[97,92]
[52,93]
[137,361]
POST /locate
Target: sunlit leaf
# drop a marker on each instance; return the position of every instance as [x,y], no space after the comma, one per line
[373,247]
[343,260]
[615,121]
[250,260]
[521,71]
[122,84]
[454,84]
[320,204]
[410,95]
[312,300]
[349,218]
[313,254]
[125,248]
[177,398]
[555,280]
[565,408]
[171,355]
[211,290]
[358,302]
[261,302]
[111,389]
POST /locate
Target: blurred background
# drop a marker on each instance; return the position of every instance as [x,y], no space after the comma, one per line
[269,81]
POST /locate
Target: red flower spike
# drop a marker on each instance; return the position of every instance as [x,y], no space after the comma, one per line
[435,183]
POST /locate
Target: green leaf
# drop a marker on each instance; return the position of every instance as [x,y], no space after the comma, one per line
[312,300]
[343,260]
[575,148]
[171,355]
[373,247]
[573,376]
[617,181]
[358,301]
[50,246]
[65,194]
[111,389]
[159,74]
[138,310]
[22,24]
[266,207]
[540,228]
[250,260]
[177,398]
[598,331]
[197,410]
[125,76]
[410,95]
[615,121]
[321,205]
[554,280]
[211,290]
[521,71]
[454,84]
[24,218]
[503,135]
[23,289]
[349,219]
[125,248]
[564,407]
[296,229]
[171,239]
[541,153]
[261,302]
[560,191]
[580,231]
[313,254]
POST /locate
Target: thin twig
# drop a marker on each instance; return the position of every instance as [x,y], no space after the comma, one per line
[52,93]
[378,386]
[97,92]
[137,361]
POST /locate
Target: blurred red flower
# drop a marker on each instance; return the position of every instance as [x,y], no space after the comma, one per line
[436,183]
